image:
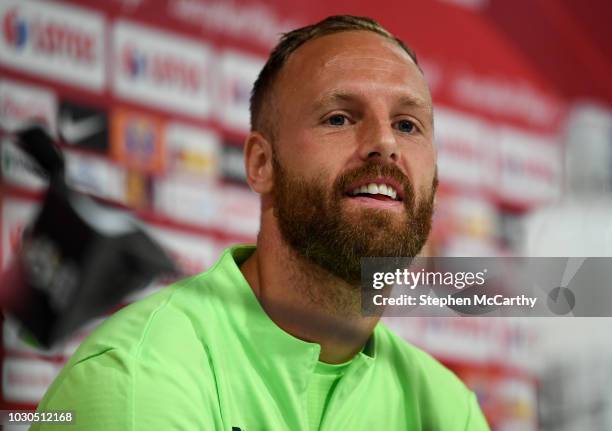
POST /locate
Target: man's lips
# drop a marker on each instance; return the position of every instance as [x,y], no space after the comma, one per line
[380,188]
[376,202]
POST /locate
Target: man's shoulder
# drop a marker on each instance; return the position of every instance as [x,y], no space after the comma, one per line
[142,364]
[164,318]
[444,402]
[177,316]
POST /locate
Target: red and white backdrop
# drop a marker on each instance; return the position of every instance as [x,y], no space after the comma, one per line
[152,99]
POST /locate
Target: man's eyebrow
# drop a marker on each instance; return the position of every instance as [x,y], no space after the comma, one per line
[414,102]
[418,104]
[332,97]
[342,96]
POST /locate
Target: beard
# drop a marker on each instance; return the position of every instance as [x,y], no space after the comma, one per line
[315,222]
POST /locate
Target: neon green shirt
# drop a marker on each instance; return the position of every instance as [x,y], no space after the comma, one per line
[321,387]
[203,355]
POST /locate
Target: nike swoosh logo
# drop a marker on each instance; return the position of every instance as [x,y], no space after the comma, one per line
[74,131]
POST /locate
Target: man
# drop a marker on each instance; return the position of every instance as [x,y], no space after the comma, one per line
[272,337]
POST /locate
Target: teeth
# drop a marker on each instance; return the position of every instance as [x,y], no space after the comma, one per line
[375,189]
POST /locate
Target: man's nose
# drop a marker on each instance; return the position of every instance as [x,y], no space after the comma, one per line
[378,140]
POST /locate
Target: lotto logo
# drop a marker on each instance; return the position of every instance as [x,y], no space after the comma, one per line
[53,40]
[134,62]
[162,69]
[238,73]
[47,37]
[15,30]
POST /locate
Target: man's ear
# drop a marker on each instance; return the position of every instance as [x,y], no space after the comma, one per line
[258,163]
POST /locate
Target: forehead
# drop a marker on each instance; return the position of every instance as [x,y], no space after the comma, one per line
[361,59]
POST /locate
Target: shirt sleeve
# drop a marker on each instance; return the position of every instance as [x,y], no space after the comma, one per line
[96,390]
[113,391]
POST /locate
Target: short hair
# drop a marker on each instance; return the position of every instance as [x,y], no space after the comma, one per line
[291,41]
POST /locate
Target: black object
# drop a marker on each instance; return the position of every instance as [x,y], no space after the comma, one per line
[79,258]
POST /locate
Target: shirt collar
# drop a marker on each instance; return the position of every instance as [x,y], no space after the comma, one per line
[277,347]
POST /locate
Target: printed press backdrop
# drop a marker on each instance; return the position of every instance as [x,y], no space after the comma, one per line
[152,99]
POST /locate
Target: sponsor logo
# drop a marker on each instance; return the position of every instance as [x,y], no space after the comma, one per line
[239,211]
[230,209]
[16,214]
[530,167]
[253,22]
[137,141]
[238,73]
[139,138]
[138,189]
[232,163]
[84,127]
[47,37]
[95,175]
[15,29]
[22,104]
[192,152]
[187,201]
[239,91]
[52,40]
[192,253]
[465,154]
[133,62]
[20,169]
[26,380]
[163,69]
[512,99]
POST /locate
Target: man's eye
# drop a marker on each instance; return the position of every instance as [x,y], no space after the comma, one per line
[337,120]
[406,126]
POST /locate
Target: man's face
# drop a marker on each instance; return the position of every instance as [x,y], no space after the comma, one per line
[354,161]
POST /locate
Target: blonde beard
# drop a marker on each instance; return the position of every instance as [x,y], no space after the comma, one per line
[316,227]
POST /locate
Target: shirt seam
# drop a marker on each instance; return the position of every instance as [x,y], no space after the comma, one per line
[92,356]
[141,342]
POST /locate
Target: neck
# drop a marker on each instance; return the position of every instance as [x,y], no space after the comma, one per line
[305,300]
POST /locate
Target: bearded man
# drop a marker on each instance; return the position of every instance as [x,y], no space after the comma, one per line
[272,337]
